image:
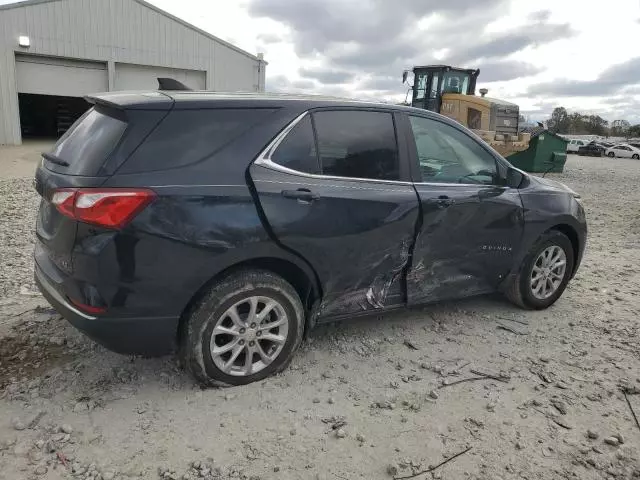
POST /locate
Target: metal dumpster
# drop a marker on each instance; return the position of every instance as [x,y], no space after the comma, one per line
[547,152]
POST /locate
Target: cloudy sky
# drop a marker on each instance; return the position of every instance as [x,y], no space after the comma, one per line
[539,54]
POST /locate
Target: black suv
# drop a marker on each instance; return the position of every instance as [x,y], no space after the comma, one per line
[228,224]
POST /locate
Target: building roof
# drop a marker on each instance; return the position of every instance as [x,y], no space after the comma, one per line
[26,3]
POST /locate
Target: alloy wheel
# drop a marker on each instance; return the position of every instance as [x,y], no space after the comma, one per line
[249,336]
[548,272]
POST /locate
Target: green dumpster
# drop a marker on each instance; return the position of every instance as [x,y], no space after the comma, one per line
[547,152]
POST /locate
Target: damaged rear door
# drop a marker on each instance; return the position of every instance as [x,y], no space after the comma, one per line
[335,190]
[471,222]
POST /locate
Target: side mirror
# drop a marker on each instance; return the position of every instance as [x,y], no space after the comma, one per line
[514,178]
[405,74]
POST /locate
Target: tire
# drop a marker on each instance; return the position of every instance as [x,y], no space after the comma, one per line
[521,289]
[611,154]
[635,156]
[233,293]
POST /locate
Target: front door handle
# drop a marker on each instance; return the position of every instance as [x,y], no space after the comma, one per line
[303,194]
[444,201]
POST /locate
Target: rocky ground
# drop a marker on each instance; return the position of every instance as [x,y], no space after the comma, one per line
[525,395]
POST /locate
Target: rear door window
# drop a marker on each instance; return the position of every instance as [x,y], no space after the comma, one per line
[88,143]
[357,144]
[298,151]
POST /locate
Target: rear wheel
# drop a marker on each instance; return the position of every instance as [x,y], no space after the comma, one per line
[635,156]
[545,272]
[611,154]
[246,329]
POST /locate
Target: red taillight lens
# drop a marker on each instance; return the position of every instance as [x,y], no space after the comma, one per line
[88,308]
[111,208]
[64,200]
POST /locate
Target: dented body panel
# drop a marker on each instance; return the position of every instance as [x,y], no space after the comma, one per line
[466,240]
[356,235]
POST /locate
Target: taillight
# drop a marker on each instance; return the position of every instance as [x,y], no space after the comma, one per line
[88,308]
[111,208]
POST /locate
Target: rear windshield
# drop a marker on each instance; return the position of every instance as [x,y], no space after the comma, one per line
[88,143]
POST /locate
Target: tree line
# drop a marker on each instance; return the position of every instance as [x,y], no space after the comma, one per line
[577,123]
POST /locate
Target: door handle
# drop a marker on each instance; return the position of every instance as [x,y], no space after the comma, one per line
[303,194]
[444,201]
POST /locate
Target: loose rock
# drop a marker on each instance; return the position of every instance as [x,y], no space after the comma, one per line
[613,441]
[66,428]
[41,470]
[18,424]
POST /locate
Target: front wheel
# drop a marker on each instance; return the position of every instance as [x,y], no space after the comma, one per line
[611,154]
[635,156]
[245,329]
[545,272]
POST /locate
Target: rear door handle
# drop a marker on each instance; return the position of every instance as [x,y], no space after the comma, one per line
[303,194]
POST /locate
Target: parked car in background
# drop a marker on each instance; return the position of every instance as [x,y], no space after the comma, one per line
[607,144]
[592,149]
[634,144]
[228,224]
[624,151]
[574,145]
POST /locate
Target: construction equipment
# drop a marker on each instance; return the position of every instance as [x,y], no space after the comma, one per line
[451,91]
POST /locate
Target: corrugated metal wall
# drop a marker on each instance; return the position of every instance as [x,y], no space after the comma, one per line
[114,31]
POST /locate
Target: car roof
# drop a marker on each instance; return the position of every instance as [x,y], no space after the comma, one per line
[146,100]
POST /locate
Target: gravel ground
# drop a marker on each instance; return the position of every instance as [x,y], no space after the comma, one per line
[367,399]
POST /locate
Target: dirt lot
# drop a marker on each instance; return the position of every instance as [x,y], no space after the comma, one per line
[365,399]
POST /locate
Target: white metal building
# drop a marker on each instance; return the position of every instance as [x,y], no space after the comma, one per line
[53,52]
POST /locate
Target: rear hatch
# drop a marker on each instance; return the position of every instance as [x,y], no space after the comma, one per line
[85,157]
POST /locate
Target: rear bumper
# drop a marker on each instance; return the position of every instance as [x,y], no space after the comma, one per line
[135,336]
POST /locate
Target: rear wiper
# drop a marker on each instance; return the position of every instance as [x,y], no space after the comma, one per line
[53,159]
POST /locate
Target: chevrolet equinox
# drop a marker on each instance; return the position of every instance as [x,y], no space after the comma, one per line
[225,225]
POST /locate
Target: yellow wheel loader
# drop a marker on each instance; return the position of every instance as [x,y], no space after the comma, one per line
[451,92]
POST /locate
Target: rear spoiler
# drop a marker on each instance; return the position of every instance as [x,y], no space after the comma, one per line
[171,84]
[151,100]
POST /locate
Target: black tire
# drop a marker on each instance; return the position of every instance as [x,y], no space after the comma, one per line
[611,154]
[635,156]
[520,292]
[195,340]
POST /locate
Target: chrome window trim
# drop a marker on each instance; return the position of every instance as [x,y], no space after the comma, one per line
[444,184]
[264,159]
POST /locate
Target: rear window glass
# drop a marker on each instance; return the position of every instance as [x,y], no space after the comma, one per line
[88,143]
[298,150]
[185,137]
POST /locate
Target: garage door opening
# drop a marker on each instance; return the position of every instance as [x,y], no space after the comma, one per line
[48,116]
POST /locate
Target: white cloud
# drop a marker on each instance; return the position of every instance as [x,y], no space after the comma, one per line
[602,37]
[545,41]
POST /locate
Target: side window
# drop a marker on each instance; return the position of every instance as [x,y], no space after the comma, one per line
[447,155]
[357,144]
[297,151]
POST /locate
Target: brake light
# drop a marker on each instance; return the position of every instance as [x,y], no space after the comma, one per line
[111,208]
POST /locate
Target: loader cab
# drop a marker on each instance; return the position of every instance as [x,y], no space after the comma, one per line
[432,81]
